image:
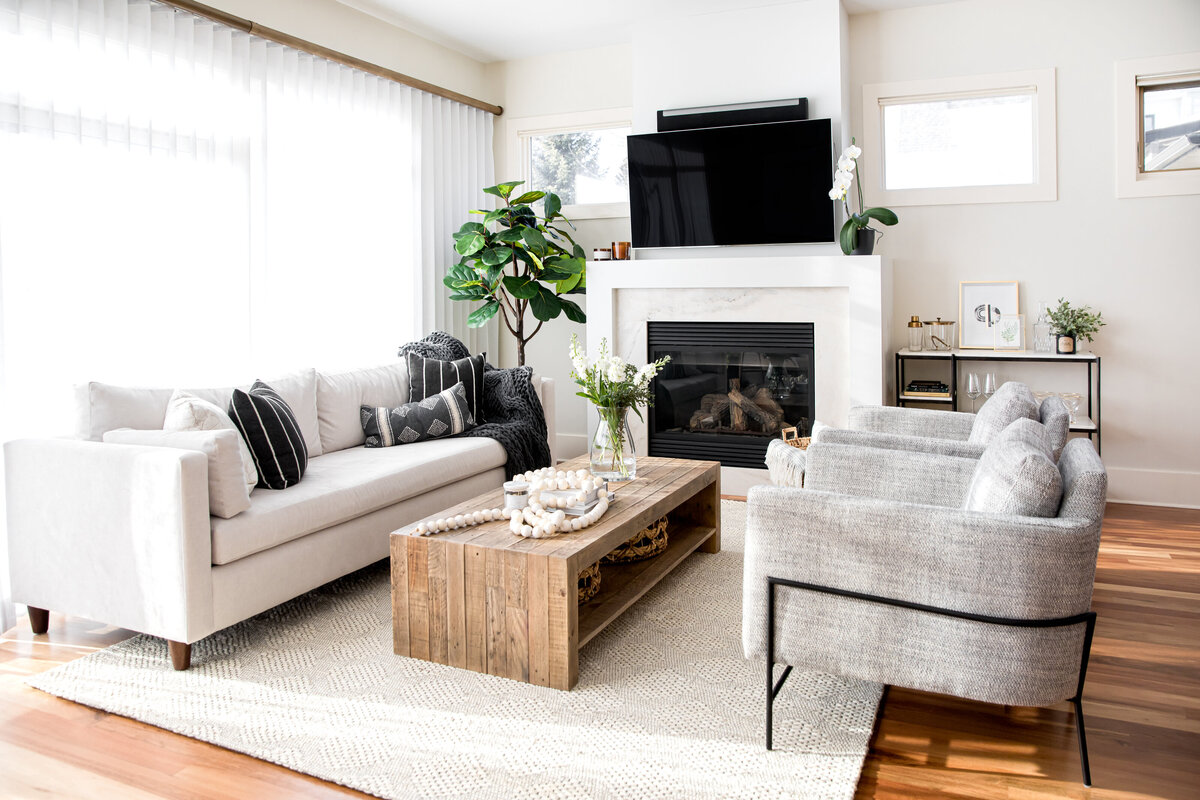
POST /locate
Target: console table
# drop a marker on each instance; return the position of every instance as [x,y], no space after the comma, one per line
[1089,424]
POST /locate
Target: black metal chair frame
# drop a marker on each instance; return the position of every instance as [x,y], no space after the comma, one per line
[1087,618]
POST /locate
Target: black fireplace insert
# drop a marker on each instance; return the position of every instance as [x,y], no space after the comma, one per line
[730,388]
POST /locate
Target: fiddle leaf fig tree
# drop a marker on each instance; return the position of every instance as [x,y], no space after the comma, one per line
[516,261]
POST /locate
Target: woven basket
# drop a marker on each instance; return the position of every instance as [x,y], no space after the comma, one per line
[646,544]
[589,582]
[791,439]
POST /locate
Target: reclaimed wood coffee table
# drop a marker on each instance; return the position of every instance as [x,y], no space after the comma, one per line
[483,599]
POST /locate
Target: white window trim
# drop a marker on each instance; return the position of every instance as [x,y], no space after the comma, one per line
[1045,185]
[520,129]
[1131,181]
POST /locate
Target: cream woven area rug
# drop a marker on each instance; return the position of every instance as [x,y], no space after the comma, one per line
[666,706]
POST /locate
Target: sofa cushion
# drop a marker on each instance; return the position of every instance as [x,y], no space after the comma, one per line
[428,376]
[340,395]
[443,414]
[1054,415]
[347,484]
[270,429]
[227,492]
[186,412]
[1016,475]
[104,407]
[1011,402]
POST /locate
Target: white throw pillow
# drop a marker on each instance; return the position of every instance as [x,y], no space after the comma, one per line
[227,492]
[186,412]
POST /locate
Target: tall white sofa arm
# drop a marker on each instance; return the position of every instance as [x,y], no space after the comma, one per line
[114,533]
[545,390]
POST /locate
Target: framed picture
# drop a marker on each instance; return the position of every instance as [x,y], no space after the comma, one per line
[1010,332]
[981,304]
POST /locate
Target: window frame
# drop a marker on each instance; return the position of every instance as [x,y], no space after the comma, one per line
[1132,180]
[520,130]
[1045,185]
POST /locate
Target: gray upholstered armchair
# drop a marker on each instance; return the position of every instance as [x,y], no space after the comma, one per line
[969,577]
[953,433]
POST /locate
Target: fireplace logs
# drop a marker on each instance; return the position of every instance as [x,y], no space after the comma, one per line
[751,411]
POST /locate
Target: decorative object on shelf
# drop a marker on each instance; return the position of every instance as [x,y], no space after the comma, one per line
[916,334]
[990,385]
[589,582]
[939,334]
[1072,324]
[1043,331]
[648,543]
[973,389]
[528,263]
[981,304]
[792,438]
[620,251]
[602,254]
[1010,332]
[857,237]
[614,386]
[926,388]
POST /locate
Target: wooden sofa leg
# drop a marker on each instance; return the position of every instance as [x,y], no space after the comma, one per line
[39,619]
[181,655]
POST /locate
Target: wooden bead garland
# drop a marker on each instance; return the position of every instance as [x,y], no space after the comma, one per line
[542,517]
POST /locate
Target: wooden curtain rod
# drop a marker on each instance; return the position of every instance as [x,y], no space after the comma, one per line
[280,37]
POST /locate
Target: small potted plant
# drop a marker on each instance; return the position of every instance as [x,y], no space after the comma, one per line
[857,237]
[1072,324]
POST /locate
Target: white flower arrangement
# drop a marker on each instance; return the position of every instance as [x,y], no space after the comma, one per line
[843,177]
[610,382]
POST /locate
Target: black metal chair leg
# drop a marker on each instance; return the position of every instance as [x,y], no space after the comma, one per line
[1083,751]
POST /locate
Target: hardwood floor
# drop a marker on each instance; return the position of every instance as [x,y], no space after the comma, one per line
[1142,704]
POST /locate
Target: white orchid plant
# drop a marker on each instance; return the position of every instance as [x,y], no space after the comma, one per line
[843,178]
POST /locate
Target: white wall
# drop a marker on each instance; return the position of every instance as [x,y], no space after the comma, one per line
[562,83]
[329,23]
[1137,260]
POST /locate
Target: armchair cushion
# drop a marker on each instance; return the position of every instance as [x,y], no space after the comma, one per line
[912,421]
[897,441]
[891,475]
[1054,415]
[1016,474]
[1011,402]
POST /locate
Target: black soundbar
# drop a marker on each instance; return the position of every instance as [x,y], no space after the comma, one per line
[741,114]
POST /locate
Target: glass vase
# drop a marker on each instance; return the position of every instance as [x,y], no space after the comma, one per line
[611,450]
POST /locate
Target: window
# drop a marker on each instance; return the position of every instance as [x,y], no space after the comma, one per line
[1158,126]
[982,139]
[580,157]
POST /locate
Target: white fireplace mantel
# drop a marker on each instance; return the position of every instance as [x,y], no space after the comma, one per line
[847,298]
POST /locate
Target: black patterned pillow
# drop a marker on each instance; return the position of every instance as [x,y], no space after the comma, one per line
[428,376]
[272,433]
[444,414]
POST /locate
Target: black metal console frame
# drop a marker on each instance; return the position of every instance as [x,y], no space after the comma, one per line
[1087,618]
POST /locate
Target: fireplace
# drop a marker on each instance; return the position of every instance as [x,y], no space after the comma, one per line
[729,389]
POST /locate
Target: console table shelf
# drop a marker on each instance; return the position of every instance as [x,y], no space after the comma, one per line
[1089,424]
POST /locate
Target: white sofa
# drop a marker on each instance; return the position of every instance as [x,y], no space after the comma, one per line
[121,534]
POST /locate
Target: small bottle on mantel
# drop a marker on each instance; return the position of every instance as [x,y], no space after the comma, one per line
[915,334]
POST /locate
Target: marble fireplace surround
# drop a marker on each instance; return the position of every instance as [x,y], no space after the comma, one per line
[847,298]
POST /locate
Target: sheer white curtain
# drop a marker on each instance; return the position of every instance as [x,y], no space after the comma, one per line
[185,204]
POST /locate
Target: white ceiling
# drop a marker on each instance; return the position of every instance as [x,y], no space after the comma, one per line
[490,31]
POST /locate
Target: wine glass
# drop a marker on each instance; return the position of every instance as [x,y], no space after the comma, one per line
[973,390]
[989,385]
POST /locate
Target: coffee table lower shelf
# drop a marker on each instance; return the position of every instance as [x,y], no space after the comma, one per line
[621,585]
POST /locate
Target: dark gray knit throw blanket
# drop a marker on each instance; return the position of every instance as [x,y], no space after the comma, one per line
[510,404]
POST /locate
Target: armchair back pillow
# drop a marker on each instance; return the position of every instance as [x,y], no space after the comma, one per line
[1016,475]
[269,426]
[444,414]
[1054,415]
[1011,402]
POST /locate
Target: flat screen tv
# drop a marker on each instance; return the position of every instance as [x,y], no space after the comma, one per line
[744,184]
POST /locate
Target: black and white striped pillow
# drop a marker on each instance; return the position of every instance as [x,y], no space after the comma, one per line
[428,376]
[443,414]
[272,433]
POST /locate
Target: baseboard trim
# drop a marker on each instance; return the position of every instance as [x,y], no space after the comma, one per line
[1154,487]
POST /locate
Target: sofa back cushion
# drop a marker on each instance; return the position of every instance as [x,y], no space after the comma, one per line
[1016,475]
[1011,402]
[102,407]
[340,395]
[1085,482]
